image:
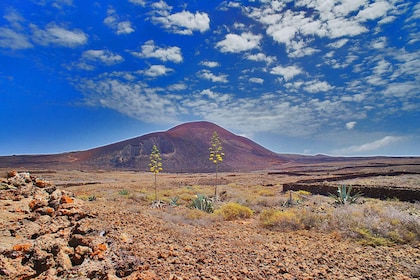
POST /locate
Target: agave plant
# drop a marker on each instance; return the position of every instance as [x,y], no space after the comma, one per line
[344,196]
[203,203]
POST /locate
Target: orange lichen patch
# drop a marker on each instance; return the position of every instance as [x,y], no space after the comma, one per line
[19,210]
[22,247]
[66,199]
[101,247]
[99,252]
[11,174]
[37,203]
[32,204]
[49,210]
[40,183]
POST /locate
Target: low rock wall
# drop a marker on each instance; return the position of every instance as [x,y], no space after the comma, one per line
[410,195]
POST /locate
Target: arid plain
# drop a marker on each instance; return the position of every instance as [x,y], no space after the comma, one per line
[104,225]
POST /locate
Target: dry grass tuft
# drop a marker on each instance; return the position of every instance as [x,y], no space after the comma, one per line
[233,211]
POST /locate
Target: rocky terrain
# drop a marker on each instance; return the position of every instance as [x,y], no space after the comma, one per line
[101,226]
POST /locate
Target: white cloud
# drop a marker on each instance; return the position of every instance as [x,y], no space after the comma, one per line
[177,87]
[300,49]
[184,22]
[55,35]
[104,56]
[15,20]
[208,75]
[286,72]
[60,3]
[328,19]
[218,97]
[157,70]
[338,44]
[119,27]
[256,80]
[238,43]
[371,146]
[261,57]
[374,11]
[350,125]
[317,86]
[138,2]
[149,50]
[13,40]
[210,64]
[136,100]
[340,27]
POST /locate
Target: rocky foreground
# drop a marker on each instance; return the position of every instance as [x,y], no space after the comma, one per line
[47,233]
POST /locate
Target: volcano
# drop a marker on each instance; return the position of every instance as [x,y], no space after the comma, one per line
[184,148]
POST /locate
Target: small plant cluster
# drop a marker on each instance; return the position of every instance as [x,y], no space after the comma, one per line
[344,196]
[233,211]
[286,220]
[86,197]
[125,193]
[368,223]
[202,202]
[216,157]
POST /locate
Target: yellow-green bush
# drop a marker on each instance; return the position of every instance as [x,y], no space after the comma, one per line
[288,219]
[266,192]
[232,211]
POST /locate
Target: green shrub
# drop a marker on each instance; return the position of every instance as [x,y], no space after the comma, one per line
[373,224]
[366,237]
[232,211]
[344,196]
[124,193]
[287,220]
[173,201]
[202,202]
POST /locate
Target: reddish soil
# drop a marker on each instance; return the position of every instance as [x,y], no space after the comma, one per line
[49,232]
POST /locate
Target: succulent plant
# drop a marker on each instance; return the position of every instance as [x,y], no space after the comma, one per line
[202,202]
[344,196]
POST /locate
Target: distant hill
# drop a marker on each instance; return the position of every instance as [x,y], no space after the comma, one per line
[184,148]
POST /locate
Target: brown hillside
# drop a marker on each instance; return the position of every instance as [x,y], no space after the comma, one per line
[184,148]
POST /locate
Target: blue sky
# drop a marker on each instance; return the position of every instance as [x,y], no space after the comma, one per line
[306,76]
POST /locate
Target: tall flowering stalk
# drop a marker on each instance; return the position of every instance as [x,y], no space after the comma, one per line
[216,155]
[155,164]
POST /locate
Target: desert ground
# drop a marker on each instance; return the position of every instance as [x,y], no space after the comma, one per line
[93,224]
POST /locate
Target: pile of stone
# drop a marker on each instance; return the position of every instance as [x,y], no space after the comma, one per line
[47,233]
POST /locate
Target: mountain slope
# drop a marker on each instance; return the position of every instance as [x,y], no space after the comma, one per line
[184,148]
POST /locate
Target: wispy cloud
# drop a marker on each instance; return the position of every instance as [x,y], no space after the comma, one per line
[371,146]
[256,80]
[138,2]
[120,27]
[208,75]
[132,99]
[13,40]
[59,36]
[317,86]
[103,56]
[286,72]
